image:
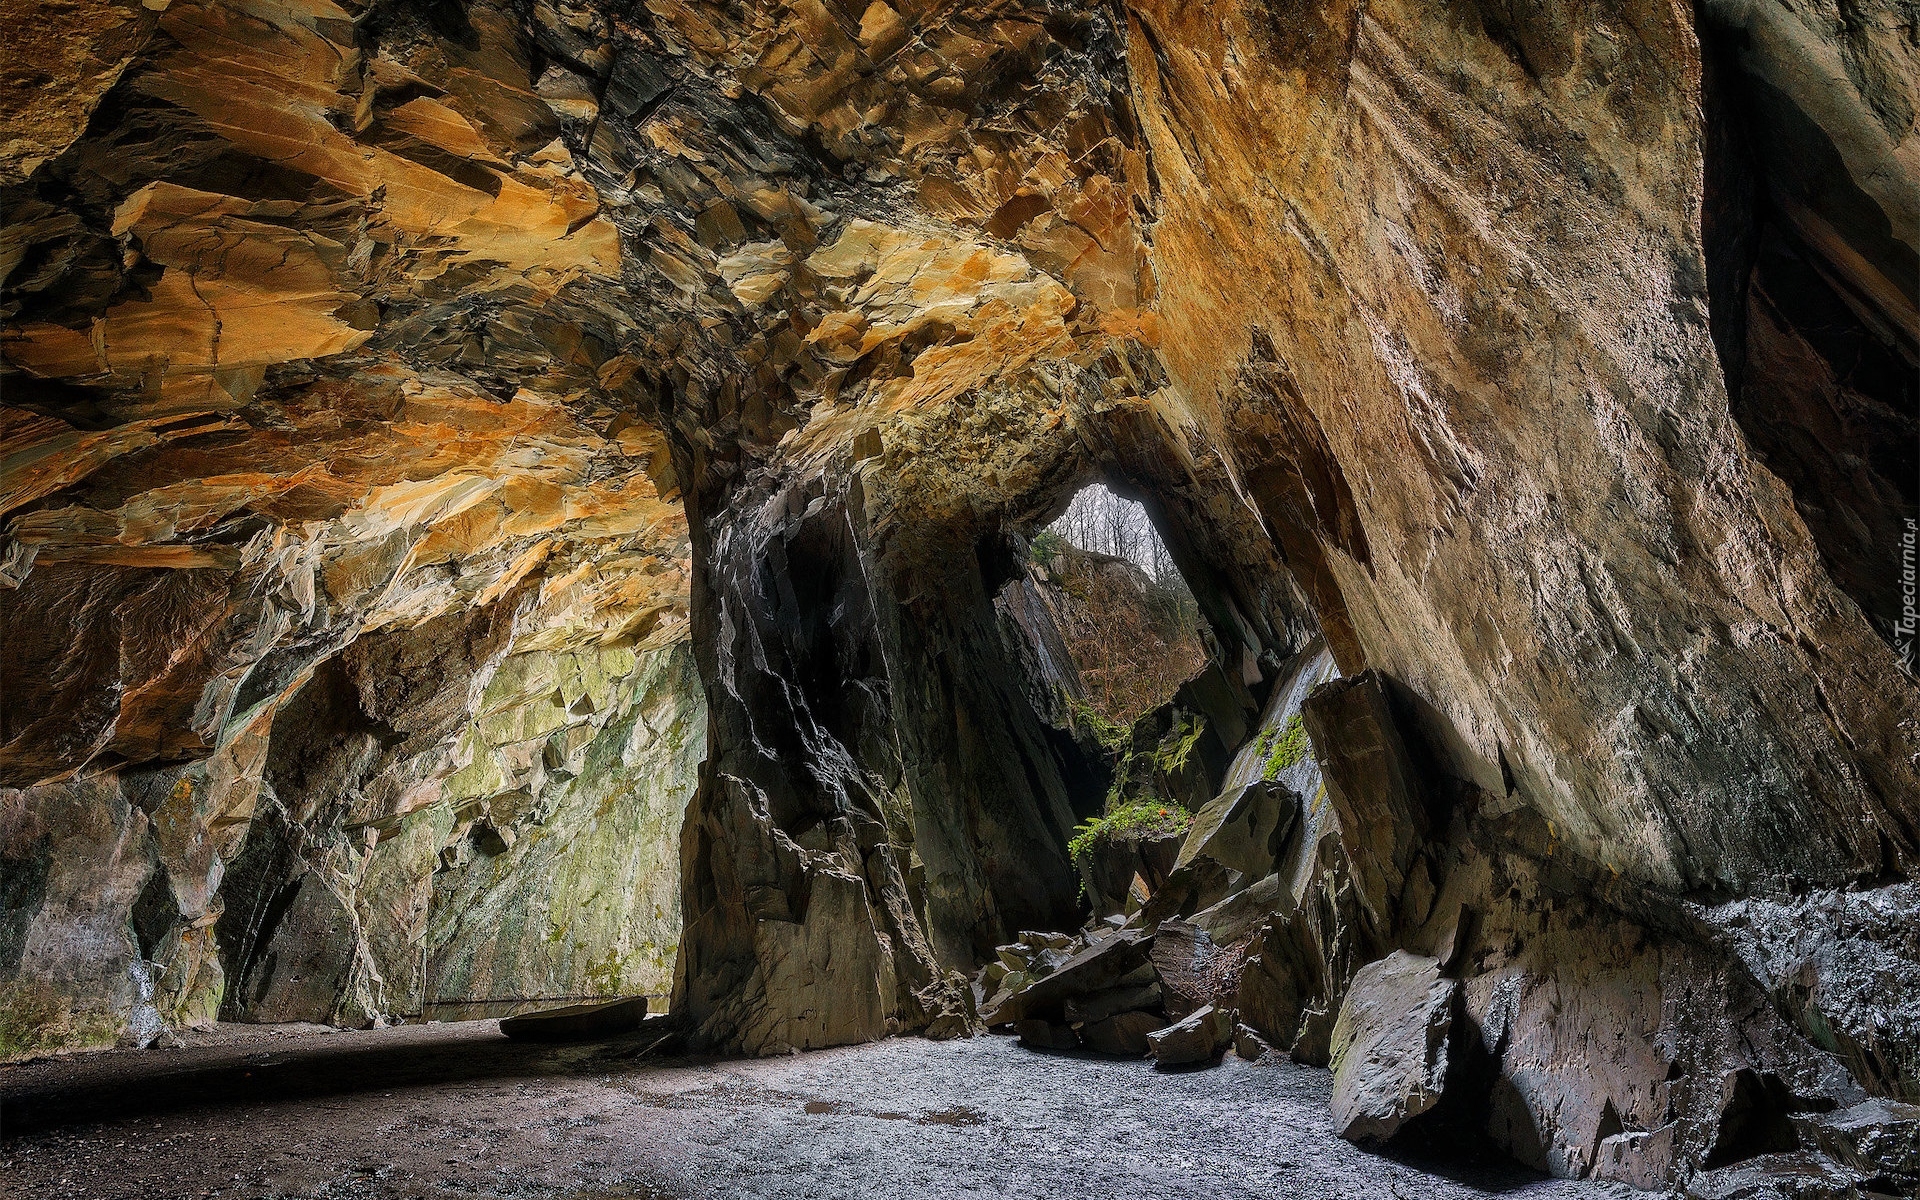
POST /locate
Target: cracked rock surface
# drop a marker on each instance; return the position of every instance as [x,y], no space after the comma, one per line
[519,498]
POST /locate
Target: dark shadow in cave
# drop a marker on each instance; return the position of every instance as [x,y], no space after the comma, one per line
[259,1072]
[1817,347]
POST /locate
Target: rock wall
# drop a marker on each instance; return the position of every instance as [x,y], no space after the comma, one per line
[543,869]
[369,367]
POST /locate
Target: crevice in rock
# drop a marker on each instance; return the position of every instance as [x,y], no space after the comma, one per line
[1812,301]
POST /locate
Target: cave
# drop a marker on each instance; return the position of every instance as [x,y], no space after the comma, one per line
[668,599]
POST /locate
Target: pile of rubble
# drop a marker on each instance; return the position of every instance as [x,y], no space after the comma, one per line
[1351,911]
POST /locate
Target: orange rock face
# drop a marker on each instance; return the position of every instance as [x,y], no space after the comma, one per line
[1557,366]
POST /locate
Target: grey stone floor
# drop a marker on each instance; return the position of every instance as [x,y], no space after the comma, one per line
[458,1111]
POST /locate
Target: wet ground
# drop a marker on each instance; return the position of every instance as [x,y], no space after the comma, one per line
[459,1111]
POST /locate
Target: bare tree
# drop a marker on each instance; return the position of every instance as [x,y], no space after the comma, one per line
[1134,638]
[1099,521]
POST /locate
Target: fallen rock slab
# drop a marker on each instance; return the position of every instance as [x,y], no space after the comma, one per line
[1118,960]
[1193,971]
[578,1022]
[1373,786]
[1202,1036]
[1879,1135]
[1123,1035]
[1639,1158]
[1390,1046]
[1086,1010]
[1250,1045]
[1036,1034]
[1244,830]
[1789,1175]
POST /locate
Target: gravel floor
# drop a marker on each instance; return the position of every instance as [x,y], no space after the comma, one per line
[458,1111]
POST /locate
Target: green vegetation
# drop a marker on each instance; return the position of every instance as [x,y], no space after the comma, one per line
[1132,821]
[1171,755]
[1045,546]
[1283,747]
[1115,737]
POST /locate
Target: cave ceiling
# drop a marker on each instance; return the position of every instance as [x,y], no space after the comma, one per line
[1554,364]
[361,316]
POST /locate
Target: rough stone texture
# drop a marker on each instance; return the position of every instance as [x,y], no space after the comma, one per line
[1192,969]
[1117,960]
[1098,1006]
[1244,830]
[1846,965]
[1377,797]
[1452,355]
[907,1118]
[1390,1046]
[565,882]
[1873,1136]
[1124,1035]
[578,1022]
[1555,366]
[1201,1036]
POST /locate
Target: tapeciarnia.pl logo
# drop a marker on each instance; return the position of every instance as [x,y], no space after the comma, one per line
[1903,629]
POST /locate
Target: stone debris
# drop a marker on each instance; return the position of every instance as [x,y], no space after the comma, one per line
[1202,1036]
[1115,961]
[1390,1046]
[1123,1035]
[1098,1006]
[1250,1045]
[1878,1136]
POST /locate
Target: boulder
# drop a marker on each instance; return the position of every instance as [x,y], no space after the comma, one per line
[1123,1035]
[1282,974]
[1250,1045]
[1390,1046]
[1037,1034]
[1245,830]
[1117,960]
[1202,1036]
[1101,1005]
[1193,971]
[1241,914]
[1313,1041]
[1109,869]
[578,1022]
[1375,790]
[1641,1158]
[1788,1175]
[1878,1135]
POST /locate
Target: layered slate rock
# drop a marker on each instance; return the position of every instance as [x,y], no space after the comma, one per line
[1555,367]
[578,1022]
[1390,1046]
[1201,1036]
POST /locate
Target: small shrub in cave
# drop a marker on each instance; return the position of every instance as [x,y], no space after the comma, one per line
[1137,806]
[1129,821]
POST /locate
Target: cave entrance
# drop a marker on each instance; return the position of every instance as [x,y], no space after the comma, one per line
[1132,628]
[1121,656]
[1204,807]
